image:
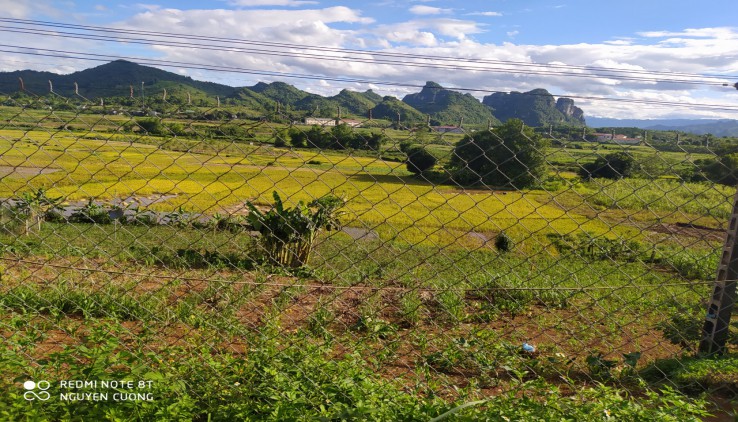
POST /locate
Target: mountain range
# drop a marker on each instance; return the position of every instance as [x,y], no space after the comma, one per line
[723,127]
[434,103]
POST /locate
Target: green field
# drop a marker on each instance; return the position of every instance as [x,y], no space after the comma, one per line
[408,312]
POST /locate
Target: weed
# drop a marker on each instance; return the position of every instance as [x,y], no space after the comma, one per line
[320,320]
[411,308]
[451,303]
[92,212]
[28,210]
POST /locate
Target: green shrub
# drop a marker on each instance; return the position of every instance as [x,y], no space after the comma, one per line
[419,159]
[503,243]
[287,234]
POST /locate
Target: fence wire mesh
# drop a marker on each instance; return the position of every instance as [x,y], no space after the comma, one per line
[249,266]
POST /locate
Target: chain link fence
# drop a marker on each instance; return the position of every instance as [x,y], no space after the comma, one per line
[170,261]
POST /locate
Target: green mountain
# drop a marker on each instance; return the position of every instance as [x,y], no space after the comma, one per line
[285,94]
[391,106]
[372,96]
[536,108]
[444,106]
[247,98]
[448,107]
[112,79]
[358,103]
[317,106]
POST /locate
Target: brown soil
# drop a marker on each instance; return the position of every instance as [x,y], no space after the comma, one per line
[10,171]
[689,230]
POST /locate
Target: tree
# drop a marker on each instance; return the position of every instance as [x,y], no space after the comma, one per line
[419,159]
[312,138]
[611,166]
[509,155]
[152,126]
[367,142]
[723,170]
[341,137]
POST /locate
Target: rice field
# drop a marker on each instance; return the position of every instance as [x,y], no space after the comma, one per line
[413,309]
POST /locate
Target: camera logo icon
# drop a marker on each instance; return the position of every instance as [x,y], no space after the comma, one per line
[31,393]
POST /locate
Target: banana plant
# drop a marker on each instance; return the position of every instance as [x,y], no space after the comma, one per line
[32,208]
[288,234]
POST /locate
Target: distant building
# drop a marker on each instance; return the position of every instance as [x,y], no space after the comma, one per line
[627,141]
[351,122]
[447,129]
[319,121]
[616,138]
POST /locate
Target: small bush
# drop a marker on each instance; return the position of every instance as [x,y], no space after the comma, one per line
[611,166]
[91,213]
[419,159]
[503,243]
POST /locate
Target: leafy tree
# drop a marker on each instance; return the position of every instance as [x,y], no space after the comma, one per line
[419,159]
[341,137]
[229,131]
[298,138]
[175,128]
[723,169]
[371,142]
[611,166]
[152,126]
[312,138]
[509,155]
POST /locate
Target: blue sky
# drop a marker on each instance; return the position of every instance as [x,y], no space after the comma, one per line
[634,38]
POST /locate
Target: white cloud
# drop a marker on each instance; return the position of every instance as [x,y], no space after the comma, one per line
[259,3]
[512,34]
[25,9]
[720,32]
[485,14]
[698,50]
[428,10]
[454,38]
[454,28]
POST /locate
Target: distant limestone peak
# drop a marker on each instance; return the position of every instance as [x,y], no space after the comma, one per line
[567,108]
[449,107]
[536,108]
[432,85]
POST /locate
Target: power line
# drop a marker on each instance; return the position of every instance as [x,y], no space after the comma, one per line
[364,56]
[216,68]
[301,55]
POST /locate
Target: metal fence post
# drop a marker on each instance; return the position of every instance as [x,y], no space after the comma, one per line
[720,306]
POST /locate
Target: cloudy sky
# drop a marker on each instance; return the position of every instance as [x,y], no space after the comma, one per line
[672,58]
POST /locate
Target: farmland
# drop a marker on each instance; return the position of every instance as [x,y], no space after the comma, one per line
[407,312]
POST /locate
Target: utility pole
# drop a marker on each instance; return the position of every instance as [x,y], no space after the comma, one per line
[720,305]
